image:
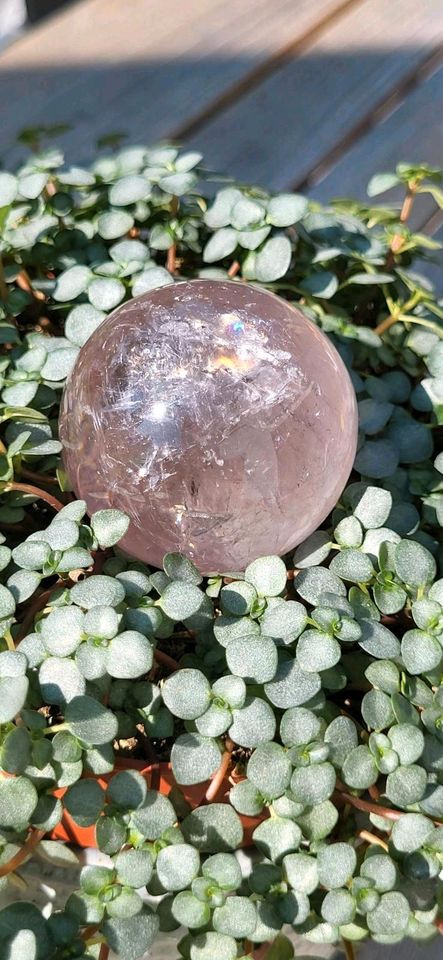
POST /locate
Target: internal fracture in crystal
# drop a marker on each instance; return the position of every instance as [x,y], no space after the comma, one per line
[217,416]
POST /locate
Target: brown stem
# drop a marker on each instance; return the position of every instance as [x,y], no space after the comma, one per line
[104,952]
[39,477]
[233,269]
[405,213]
[171,263]
[372,838]
[23,281]
[385,325]
[34,491]
[166,660]
[260,952]
[367,807]
[171,259]
[89,932]
[16,861]
[376,808]
[217,780]
[45,325]
[374,792]
[4,292]
[349,949]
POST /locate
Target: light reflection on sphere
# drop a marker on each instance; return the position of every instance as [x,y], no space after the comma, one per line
[217,416]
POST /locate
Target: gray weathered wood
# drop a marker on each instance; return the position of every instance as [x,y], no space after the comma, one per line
[434,271]
[140,67]
[281,130]
[412,133]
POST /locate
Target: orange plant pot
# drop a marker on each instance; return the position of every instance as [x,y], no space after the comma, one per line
[158,777]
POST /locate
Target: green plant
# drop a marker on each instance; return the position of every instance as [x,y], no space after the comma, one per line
[310,690]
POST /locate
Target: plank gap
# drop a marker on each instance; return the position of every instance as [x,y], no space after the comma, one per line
[432,224]
[261,72]
[386,105]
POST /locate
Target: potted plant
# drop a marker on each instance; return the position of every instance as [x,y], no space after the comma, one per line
[170,720]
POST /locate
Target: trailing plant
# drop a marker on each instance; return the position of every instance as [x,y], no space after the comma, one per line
[300,704]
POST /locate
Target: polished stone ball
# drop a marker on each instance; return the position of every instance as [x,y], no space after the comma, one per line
[217,416]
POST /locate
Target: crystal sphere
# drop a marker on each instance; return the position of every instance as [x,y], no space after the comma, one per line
[217,416]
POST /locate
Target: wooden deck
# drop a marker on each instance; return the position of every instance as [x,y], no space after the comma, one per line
[312,94]
[284,93]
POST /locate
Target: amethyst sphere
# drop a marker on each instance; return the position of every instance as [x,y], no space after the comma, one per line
[219,418]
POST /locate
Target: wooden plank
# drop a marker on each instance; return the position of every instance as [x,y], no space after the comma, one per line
[434,271]
[412,133]
[141,67]
[406,950]
[282,129]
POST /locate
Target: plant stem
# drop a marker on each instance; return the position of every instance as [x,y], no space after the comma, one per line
[54,729]
[374,792]
[40,477]
[349,949]
[233,269]
[367,807]
[9,640]
[385,325]
[104,952]
[260,951]
[217,780]
[372,838]
[16,861]
[4,293]
[405,213]
[402,318]
[34,491]
[166,660]
[24,282]
[89,932]
[171,258]
[423,323]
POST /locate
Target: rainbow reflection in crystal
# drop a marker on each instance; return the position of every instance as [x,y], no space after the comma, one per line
[217,416]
